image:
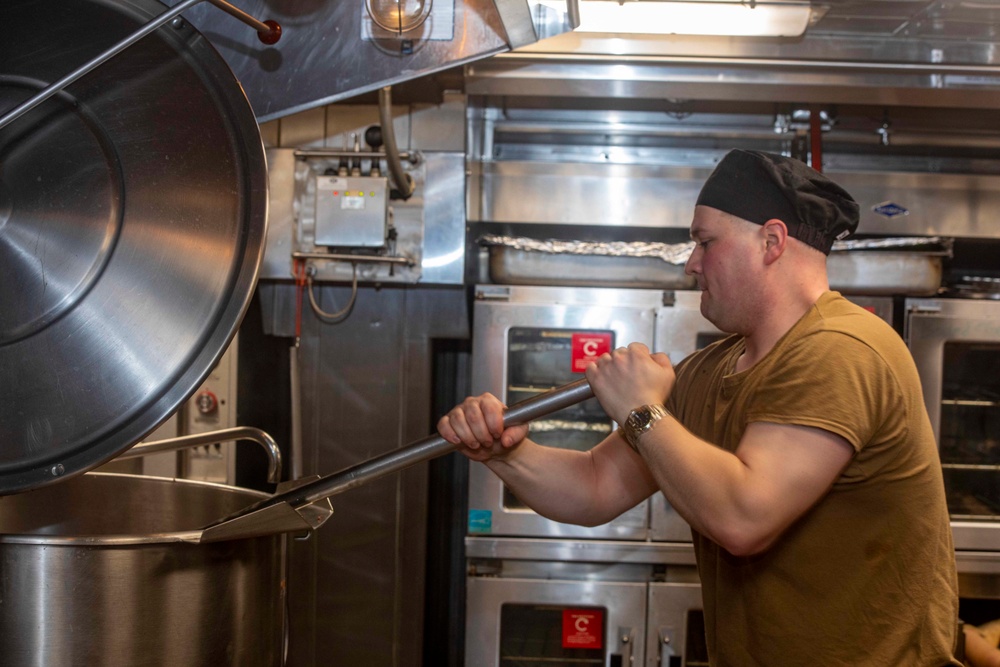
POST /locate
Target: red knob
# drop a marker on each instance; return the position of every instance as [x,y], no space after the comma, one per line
[207,402]
[270,36]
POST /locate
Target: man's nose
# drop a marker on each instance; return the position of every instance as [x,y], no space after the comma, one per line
[692,265]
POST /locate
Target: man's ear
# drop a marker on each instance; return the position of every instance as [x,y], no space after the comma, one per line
[775,236]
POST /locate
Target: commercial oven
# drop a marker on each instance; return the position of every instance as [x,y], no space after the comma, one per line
[523,613]
[567,603]
[527,340]
[956,346]
[680,330]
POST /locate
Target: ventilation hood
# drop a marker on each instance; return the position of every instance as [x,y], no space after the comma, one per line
[333,50]
[934,53]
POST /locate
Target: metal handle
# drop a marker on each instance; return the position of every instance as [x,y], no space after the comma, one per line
[666,647]
[419,451]
[627,638]
[268,32]
[194,440]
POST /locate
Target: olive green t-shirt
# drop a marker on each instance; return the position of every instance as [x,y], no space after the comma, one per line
[867,576]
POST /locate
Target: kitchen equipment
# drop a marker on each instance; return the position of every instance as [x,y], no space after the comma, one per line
[101,570]
[526,261]
[527,340]
[97,571]
[548,618]
[132,219]
[562,602]
[288,509]
[956,346]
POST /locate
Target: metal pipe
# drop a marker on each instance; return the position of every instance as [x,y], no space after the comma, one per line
[777,63]
[94,62]
[417,452]
[212,437]
[296,466]
[353,258]
[573,13]
[412,158]
[268,32]
[404,184]
[238,13]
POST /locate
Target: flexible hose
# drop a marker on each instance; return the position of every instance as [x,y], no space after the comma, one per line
[340,315]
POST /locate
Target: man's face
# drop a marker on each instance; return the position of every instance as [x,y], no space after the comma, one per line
[722,263]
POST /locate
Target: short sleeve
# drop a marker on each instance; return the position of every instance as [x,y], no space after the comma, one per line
[828,380]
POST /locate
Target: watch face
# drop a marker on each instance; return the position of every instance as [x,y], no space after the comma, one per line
[641,418]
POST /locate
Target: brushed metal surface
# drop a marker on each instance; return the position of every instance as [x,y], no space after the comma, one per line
[624,604]
[323,55]
[132,217]
[630,314]
[571,193]
[93,572]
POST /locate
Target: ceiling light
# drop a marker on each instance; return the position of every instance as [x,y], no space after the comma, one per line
[699,17]
[398,15]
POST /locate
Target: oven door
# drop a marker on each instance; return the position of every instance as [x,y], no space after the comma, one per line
[956,346]
[680,330]
[675,636]
[527,340]
[513,622]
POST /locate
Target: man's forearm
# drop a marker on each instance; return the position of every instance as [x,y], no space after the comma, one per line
[560,484]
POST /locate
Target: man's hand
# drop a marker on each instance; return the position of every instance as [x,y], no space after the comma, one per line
[476,425]
[629,377]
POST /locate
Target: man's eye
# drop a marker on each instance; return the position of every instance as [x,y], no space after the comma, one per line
[703,244]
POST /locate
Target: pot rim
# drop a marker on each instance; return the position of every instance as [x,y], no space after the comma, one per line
[192,537]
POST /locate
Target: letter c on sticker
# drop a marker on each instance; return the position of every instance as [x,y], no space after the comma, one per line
[581,623]
[590,348]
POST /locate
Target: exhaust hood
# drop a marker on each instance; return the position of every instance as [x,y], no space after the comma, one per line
[331,50]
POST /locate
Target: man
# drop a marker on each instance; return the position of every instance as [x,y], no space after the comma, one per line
[798,448]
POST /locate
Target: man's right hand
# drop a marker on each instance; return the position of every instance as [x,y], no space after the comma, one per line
[476,426]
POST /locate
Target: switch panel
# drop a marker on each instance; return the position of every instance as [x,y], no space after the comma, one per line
[351,211]
[212,408]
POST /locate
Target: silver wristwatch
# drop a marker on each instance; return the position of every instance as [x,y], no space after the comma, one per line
[641,420]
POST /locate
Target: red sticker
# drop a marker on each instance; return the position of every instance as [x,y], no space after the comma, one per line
[583,628]
[587,347]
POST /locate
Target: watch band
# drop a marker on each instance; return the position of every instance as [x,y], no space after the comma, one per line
[641,420]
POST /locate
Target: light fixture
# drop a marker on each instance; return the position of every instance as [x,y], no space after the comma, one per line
[775,18]
[398,15]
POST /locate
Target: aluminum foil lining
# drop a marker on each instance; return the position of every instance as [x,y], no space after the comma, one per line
[929,244]
[673,253]
[678,253]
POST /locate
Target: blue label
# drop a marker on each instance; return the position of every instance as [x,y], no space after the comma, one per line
[890,209]
[480,521]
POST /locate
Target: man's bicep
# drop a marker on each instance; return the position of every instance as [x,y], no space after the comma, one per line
[790,467]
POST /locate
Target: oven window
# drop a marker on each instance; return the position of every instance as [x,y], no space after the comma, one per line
[534,635]
[541,359]
[970,429]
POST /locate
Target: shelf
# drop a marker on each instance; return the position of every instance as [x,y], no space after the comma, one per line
[971,403]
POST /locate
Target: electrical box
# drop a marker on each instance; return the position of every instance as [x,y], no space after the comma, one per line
[351,211]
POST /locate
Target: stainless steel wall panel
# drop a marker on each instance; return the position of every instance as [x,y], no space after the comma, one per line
[711,77]
[616,195]
[663,196]
[366,392]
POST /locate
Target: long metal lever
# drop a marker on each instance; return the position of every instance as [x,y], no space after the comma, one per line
[268,31]
[417,452]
